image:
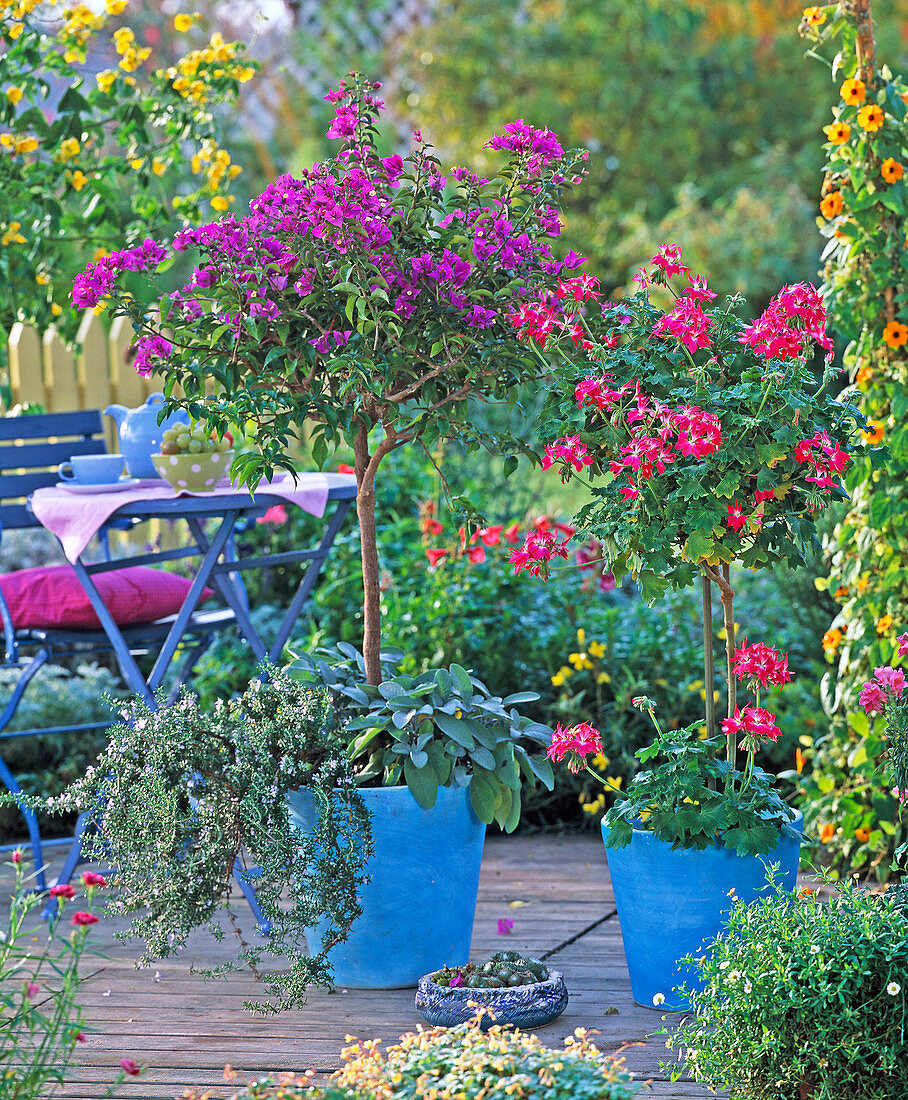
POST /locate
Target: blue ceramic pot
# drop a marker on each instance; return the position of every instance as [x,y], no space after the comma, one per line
[672,902]
[419,903]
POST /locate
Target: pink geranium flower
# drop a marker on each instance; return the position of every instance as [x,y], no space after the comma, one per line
[576,743]
[761,663]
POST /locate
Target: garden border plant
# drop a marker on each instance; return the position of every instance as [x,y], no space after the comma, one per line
[864,216]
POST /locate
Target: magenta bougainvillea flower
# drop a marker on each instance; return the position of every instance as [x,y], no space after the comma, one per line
[505,926]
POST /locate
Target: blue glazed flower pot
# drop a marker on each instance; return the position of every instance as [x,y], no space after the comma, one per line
[672,902]
[419,903]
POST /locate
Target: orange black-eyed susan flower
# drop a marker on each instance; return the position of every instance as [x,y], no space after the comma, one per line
[832,639]
[883,624]
[832,204]
[891,170]
[871,118]
[865,374]
[827,832]
[876,432]
[838,132]
[814,16]
[895,334]
[863,834]
[840,593]
[853,92]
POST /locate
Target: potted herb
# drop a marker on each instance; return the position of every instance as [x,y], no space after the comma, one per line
[189,800]
[463,755]
[365,304]
[704,442]
[803,997]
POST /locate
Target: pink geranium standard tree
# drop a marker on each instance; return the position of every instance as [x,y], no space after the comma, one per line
[703,441]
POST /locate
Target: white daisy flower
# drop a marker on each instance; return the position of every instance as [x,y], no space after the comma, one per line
[659,999]
[893,989]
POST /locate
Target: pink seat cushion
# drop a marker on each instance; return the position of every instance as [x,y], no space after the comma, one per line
[51,596]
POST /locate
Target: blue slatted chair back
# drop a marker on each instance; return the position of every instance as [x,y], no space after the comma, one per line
[31,449]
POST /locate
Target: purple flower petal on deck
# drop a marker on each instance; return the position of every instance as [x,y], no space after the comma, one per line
[505,926]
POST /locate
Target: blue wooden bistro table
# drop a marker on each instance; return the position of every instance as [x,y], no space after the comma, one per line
[212,520]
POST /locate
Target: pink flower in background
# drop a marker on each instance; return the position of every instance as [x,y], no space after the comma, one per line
[539,547]
[435,554]
[92,878]
[83,919]
[130,1067]
[505,926]
[891,678]
[872,698]
[16,857]
[62,890]
[276,515]
[31,989]
[457,980]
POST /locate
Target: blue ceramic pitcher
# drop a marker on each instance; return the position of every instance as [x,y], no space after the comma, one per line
[140,434]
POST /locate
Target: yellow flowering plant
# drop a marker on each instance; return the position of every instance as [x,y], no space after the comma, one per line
[123,152]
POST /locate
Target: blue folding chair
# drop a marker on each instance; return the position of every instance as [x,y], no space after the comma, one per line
[31,448]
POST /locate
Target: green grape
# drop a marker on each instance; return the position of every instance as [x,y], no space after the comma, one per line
[195,446]
[183,441]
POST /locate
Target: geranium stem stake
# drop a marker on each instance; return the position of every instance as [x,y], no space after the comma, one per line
[708,669]
[728,594]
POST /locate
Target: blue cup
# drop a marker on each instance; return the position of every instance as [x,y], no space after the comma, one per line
[92,469]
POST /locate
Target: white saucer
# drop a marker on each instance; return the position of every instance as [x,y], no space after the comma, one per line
[111,487]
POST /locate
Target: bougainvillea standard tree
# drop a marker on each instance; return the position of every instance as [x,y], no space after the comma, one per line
[359,298]
[704,440]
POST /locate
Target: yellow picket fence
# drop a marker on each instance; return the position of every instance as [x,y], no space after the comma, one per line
[44,371]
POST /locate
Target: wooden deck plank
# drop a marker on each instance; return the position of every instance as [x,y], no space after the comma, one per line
[185,1030]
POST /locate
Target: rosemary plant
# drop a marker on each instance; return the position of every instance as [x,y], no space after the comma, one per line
[186,800]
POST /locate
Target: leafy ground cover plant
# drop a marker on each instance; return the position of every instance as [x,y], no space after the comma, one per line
[41,1020]
[804,998]
[358,299]
[185,796]
[439,728]
[91,155]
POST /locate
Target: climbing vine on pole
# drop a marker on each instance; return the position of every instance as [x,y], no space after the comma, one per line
[864,217]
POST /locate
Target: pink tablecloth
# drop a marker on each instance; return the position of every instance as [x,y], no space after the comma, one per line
[76,517]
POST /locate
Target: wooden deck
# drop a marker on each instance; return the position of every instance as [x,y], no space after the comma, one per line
[184,1030]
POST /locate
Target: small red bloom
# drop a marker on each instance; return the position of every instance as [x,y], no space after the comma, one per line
[16,857]
[92,878]
[736,517]
[275,515]
[435,555]
[31,989]
[491,536]
[343,468]
[476,554]
[761,663]
[130,1067]
[83,919]
[62,890]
